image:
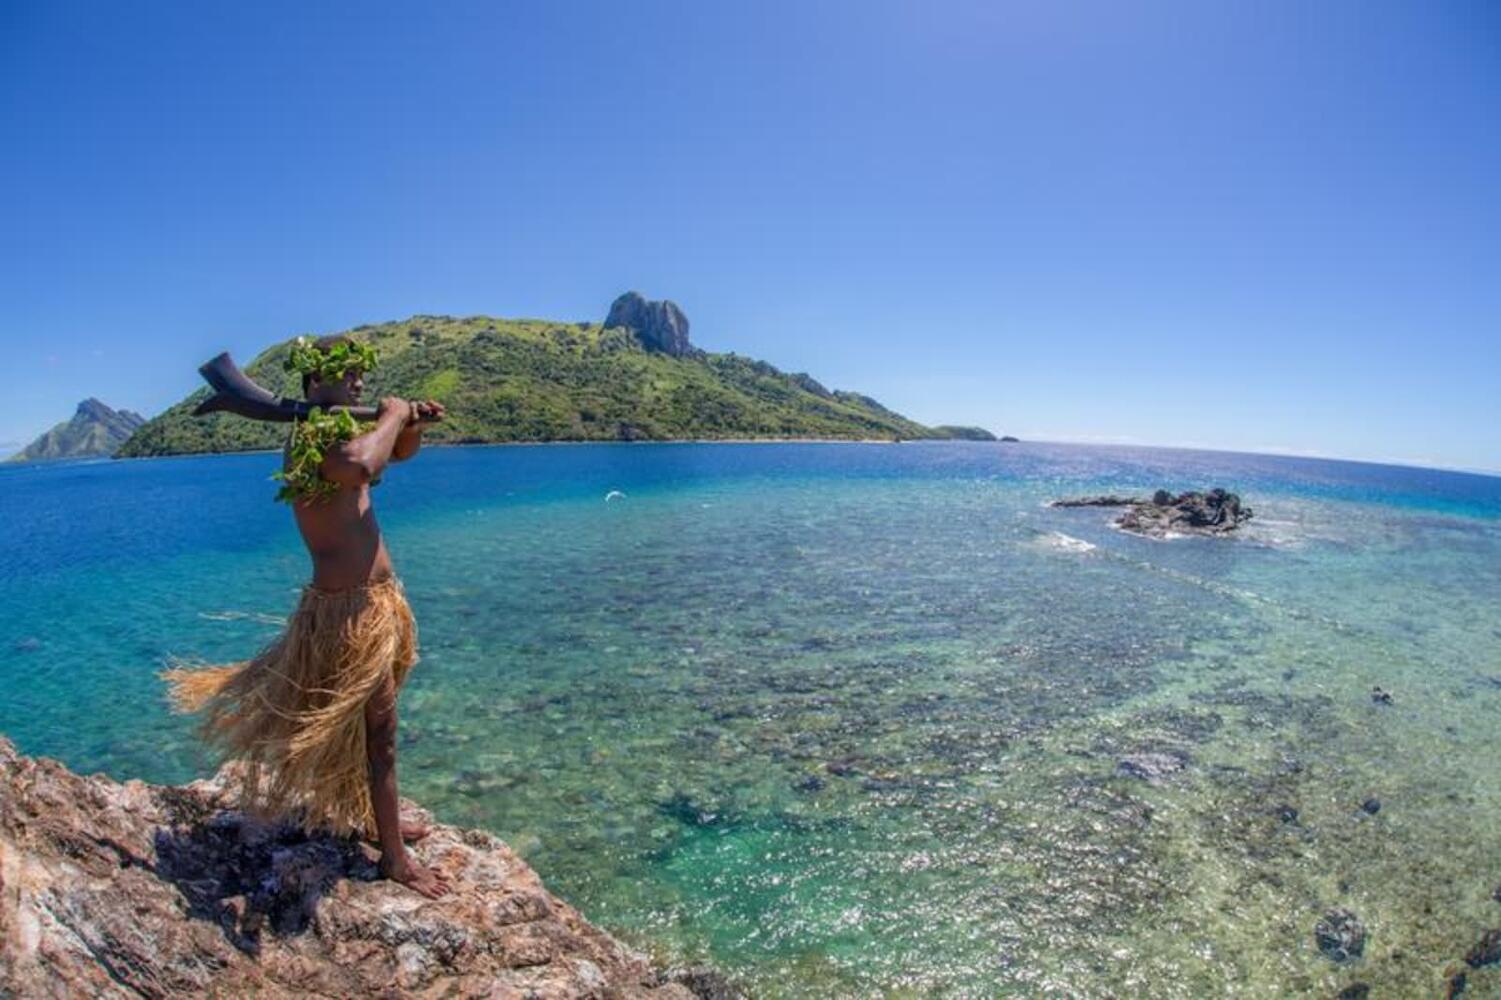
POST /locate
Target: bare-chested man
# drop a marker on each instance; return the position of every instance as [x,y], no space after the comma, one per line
[315,712]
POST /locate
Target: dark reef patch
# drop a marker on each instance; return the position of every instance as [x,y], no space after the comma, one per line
[1340,935]
[1487,950]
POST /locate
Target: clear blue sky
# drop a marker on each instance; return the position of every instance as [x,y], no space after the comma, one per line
[1271,226]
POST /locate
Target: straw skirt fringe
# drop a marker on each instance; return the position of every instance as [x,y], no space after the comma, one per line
[295,714]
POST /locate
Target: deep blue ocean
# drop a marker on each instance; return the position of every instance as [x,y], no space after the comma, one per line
[848,719]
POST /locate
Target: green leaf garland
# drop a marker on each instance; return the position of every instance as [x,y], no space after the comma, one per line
[311,441]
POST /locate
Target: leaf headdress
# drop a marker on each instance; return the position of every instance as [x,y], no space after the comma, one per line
[330,364]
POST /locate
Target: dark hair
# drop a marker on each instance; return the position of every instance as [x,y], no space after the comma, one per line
[324,344]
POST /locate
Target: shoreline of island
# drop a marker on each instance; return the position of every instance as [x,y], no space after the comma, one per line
[559,442]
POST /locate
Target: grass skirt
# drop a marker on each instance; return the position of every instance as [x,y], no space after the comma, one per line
[295,714]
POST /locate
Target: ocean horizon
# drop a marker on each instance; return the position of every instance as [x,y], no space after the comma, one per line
[1392,463]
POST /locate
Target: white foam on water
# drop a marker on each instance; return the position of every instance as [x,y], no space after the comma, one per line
[238,616]
[1065,543]
[1276,533]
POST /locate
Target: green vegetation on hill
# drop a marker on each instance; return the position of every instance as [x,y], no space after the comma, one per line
[959,433]
[537,380]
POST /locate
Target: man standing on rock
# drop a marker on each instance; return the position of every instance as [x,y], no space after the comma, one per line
[313,716]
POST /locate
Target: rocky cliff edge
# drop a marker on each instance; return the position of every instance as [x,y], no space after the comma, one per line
[124,890]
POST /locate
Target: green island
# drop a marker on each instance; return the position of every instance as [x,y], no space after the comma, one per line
[513,380]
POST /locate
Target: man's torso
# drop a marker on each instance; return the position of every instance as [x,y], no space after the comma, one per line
[344,540]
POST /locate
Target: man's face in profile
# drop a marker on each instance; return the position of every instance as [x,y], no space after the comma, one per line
[344,392]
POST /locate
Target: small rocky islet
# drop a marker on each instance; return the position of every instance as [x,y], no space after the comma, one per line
[1169,515]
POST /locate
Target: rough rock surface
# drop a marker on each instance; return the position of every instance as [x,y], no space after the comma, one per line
[123,890]
[659,325]
[1163,515]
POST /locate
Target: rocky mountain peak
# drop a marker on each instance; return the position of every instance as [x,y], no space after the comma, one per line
[659,325]
[94,409]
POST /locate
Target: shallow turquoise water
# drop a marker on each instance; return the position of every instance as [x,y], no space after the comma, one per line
[846,719]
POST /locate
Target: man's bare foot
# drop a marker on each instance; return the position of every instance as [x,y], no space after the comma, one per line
[412,830]
[420,878]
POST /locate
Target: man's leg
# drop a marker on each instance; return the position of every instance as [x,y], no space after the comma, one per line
[380,746]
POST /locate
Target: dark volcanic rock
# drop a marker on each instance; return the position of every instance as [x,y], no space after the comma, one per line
[128,890]
[1487,950]
[703,983]
[1355,991]
[659,325]
[1105,500]
[1371,806]
[1164,515]
[1209,513]
[1340,935]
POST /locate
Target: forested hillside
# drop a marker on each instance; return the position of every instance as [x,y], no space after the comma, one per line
[538,380]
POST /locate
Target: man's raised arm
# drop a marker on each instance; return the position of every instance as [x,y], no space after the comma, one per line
[410,439]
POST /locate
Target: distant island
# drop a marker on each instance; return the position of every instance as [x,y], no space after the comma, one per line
[959,433]
[636,377]
[94,431]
